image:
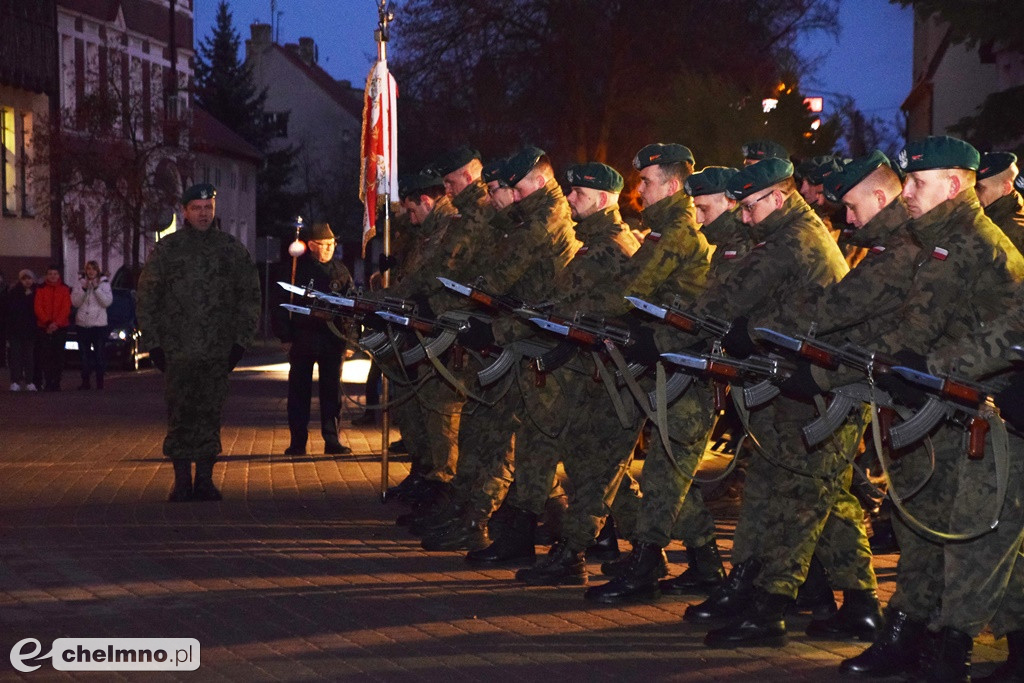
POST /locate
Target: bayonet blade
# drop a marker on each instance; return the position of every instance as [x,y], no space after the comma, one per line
[393,318]
[302,310]
[550,326]
[685,360]
[778,339]
[923,379]
[648,307]
[294,289]
[455,286]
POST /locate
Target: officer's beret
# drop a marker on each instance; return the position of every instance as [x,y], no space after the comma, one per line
[709,180]
[938,151]
[815,168]
[662,153]
[454,159]
[198,191]
[994,163]
[837,182]
[594,175]
[494,171]
[519,165]
[409,185]
[755,150]
[317,232]
[759,176]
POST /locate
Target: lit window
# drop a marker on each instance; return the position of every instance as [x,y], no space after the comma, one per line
[9,165]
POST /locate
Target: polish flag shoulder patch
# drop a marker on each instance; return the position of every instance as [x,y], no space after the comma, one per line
[653,237]
[877,249]
[730,254]
[940,253]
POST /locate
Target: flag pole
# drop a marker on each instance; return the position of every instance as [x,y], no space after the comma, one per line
[385,15]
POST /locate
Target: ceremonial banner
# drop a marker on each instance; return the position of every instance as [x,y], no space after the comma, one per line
[377,175]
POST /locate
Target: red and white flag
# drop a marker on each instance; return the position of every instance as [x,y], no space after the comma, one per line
[379,155]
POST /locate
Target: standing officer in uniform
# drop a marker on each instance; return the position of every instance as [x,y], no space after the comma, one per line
[1002,203]
[310,340]
[198,308]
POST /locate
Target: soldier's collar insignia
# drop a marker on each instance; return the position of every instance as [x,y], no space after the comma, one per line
[582,250]
[730,254]
[877,249]
[759,245]
[653,237]
[940,253]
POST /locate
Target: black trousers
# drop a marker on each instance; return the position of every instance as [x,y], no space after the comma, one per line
[300,392]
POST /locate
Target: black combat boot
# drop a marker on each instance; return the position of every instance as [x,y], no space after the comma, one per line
[1012,670]
[895,651]
[468,533]
[618,567]
[549,525]
[433,500]
[704,573]
[950,662]
[436,518]
[729,599]
[815,594]
[638,582]
[182,490]
[562,566]
[763,624]
[606,546]
[502,519]
[514,546]
[860,618]
[203,488]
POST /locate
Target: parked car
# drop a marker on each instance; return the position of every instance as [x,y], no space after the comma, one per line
[124,347]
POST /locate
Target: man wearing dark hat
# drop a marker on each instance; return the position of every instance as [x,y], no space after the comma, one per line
[310,340]
[757,150]
[594,448]
[996,192]
[792,253]
[198,308]
[967,273]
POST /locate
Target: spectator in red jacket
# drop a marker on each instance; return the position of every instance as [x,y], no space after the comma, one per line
[53,309]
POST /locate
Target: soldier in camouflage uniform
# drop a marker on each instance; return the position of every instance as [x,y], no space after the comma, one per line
[967,272]
[995,188]
[672,264]
[595,449]
[198,308]
[539,227]
[794,253]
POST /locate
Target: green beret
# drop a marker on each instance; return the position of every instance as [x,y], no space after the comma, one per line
[994,163]
[493,172]
[837,182]
[759,176]
[662,153]
[409,185]
[709,180]
[755,150]
[938,151]
[454,159]
[318,232]
[813,170]
[1019,182]
[594,175]
[198,191]
[519,165]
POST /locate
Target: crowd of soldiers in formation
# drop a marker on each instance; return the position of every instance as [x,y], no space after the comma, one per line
[900,277]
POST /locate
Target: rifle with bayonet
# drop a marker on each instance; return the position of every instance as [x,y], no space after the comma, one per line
[328,306]
[764,371]
[446,331]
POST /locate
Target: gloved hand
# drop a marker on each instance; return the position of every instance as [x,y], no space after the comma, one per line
[1011,401]
[801,384]
[385,262]
[905,392]
[477,336]
[156,355]
[237,351]
[644,349]
[737,342]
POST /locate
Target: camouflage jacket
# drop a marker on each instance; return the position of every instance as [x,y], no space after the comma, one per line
[1008,213]
[592,281]
[430,255]
[879,283]
[674,257]
[792,252]
[986,351]
[965,274]
[731,240]
[198,294]
[541,241]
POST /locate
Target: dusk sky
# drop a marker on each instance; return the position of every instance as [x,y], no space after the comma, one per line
[871,60]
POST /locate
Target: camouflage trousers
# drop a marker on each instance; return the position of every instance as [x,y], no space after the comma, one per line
[964,585]
[790,494]
[664,487]
[195,390]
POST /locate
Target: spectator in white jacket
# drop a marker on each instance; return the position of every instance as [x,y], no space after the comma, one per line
[92,295]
